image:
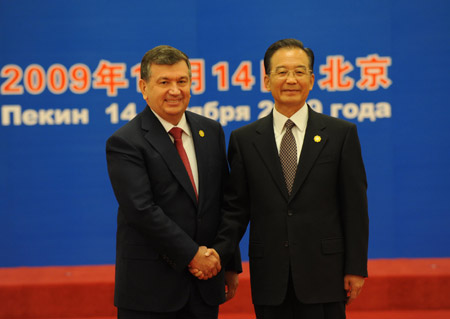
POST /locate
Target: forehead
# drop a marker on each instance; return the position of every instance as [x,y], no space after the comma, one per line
[289,57]
[179,69]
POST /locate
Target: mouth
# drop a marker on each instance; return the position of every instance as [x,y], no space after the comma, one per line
[173,101]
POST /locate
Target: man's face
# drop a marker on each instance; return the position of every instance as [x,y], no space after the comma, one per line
[290,79]
[167,91]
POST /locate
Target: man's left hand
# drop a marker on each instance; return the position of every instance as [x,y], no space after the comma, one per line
[353,285]
[231,284]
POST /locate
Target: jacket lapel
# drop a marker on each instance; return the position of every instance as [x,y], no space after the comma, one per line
[315,140]
[156,135]
[266,146]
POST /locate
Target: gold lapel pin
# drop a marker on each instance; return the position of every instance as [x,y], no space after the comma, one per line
[317,139]
[201,133]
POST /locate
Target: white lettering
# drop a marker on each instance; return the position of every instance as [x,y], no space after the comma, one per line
[335,108]
[62,116]
[129,112]
[243,113]
[350,110]
[366,110]
[266,106]
[45,117]
[80,116]
[210,110]
[13,111]
[30,117]
[383,110]
[226,114]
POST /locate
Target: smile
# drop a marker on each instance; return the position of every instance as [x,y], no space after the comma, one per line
[173,101]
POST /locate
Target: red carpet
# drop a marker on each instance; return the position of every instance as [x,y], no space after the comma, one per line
[396,289]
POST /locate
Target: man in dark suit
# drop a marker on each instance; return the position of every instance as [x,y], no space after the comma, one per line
[298,177]
[170,199]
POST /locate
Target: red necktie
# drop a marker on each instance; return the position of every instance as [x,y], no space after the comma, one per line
[176,132]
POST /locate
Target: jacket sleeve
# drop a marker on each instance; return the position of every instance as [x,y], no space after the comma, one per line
[354,207]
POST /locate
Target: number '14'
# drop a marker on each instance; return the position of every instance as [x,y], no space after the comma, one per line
[127,114]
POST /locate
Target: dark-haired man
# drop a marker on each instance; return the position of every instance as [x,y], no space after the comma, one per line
[167,167]
[298,177]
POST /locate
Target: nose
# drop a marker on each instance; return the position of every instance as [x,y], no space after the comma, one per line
[174,90]
[291,77]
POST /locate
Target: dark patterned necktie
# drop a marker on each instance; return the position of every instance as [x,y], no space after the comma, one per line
[288,155]
[176,132]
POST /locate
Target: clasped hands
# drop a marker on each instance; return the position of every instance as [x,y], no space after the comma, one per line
[205,264]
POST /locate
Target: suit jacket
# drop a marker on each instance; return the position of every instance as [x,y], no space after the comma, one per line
[320,232]
[160,224]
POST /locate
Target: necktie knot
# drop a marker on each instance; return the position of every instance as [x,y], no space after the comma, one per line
[176,132]
[289,124]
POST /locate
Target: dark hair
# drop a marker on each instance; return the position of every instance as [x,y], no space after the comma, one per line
[287,43]
[162,55]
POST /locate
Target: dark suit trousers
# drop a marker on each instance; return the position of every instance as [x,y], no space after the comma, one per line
[195,308]
[292,308]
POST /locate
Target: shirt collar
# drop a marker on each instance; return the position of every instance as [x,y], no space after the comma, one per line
[300,119]
[168,126]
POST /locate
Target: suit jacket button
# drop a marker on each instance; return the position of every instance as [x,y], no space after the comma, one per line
[286,244]
[290,213]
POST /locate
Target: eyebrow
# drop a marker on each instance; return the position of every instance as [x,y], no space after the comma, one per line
[168,78]
[298,66]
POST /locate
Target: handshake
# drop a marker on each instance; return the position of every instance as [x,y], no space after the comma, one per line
[205,264]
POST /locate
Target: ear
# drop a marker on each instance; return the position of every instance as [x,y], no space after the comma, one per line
[267,82]
[143,87]
[311,80]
